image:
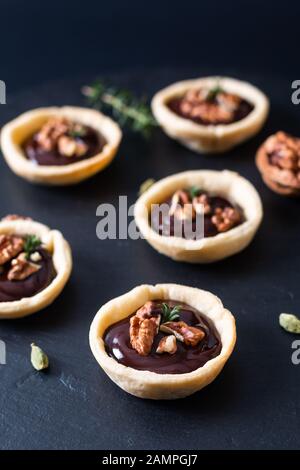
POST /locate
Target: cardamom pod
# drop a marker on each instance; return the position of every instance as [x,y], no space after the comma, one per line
[146,185]
[289,322]
[39,359]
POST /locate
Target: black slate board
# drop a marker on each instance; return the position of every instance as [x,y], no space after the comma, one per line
[254,403]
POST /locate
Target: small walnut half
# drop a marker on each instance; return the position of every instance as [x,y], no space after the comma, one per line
[51,131]
[225,219]
[189,335]
[21,268]
[181,207]
[10,246]
[142,332]
[70,147]
[167,345]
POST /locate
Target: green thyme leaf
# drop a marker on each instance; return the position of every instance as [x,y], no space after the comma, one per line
[193,192]
[77,133]
[146,185]
[32,242]
[125,107]
[213,92]
[169,313]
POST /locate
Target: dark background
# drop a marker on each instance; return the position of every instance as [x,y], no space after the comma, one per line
[254,403]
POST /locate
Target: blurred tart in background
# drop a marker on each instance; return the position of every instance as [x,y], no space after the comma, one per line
[60,146]
[211,114]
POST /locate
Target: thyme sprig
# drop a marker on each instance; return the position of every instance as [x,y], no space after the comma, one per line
[213,92]
[169,313]
[32,242]
[126,108]
[193,192]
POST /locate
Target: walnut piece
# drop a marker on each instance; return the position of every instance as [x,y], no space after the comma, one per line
[51,131]
[189,335]
[203,199]
[142,332]
[197,105]
[225,219]
[21,268]
[181,207]
[10,246]
[57,133]
[284,151]
[167,345]
[70,147]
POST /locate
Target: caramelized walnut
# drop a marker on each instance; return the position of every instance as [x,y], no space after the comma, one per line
[60,133]
[225,219]
[202,201]
[10,246]
[209,107]
[181,206]
[51,131]
[70,147]
[278,159]
[21,268]
[189,335]
[142,332]
[167,345]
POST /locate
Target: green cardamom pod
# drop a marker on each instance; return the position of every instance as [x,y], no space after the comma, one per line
[289,322]
[39,359]
[146,185]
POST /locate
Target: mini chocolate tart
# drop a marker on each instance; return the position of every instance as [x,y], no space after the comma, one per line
[35,264]
[59,146]
[278,160]
[154,347]
[211,114]
[218,213]
[232,213]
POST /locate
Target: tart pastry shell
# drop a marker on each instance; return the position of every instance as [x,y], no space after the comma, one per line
[227,184]
[15,133]
[60,250]
[146,384]
[211,138]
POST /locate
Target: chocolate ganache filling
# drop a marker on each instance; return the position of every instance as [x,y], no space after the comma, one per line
[188,355]
[210,106]
[218,213]
[62,142]
[20,276]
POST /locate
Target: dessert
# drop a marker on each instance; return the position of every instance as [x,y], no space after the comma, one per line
[278,160]
[59,145]
[35,264]
[227,203]
[211,114]
[164,341]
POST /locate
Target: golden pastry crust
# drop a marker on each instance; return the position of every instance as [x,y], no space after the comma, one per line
[225,183]
[62,261]
[145,384]
[211,138]
[17,131]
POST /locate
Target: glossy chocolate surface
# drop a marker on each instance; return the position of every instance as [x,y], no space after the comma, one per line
[16,290]
[37,154]
[186,359]
[164,225]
